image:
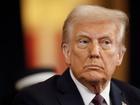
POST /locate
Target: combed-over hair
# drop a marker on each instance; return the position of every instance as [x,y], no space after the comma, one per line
[93,13]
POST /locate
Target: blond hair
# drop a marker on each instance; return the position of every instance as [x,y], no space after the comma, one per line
[93,13]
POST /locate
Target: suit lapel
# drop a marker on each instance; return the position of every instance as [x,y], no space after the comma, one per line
[116,95]
[68,93]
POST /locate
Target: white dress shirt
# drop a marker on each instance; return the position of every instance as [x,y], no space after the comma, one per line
[87,95]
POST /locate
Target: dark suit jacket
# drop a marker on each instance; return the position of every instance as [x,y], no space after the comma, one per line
[61,90]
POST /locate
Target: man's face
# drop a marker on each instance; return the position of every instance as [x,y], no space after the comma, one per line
[94,52]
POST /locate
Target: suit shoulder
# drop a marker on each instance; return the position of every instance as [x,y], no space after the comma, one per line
[127,88]
[45,85]
[38,93]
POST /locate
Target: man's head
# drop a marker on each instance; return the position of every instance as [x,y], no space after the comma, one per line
[93,45]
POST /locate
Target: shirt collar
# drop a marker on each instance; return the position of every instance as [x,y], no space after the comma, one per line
[87,95]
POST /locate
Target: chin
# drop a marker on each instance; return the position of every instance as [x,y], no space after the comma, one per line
[97,86]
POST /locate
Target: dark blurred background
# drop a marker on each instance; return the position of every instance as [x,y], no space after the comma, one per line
[134,45]
[11,50]
[12,55]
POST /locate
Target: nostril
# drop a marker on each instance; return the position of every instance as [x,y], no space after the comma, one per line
[94,56]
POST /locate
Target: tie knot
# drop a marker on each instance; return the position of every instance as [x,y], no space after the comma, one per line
[99,100]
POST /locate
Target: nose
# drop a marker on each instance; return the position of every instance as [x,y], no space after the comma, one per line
[94,51]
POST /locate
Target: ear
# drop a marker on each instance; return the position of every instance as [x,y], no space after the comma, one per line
[66,52]
[121,55]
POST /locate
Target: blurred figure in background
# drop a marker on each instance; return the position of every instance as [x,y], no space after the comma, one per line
[93,46]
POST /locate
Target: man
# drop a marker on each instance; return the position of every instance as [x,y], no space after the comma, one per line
[93,46]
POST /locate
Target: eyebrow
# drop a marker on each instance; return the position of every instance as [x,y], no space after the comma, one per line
[83,34]
[105,37]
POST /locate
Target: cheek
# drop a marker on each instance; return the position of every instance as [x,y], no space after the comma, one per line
[111,55]
[110,61]
[78,54]
[77,60]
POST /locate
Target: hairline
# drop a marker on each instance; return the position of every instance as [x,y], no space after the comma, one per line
[72,20]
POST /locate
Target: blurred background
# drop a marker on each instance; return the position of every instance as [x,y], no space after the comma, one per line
[31,38]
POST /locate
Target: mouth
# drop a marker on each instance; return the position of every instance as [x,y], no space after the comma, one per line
[93,67]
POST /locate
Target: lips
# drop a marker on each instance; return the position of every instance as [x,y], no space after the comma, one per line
[93,67]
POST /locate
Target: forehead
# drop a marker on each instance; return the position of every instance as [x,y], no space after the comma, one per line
[95,29]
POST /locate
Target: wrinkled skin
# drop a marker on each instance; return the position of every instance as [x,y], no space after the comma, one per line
[93,53]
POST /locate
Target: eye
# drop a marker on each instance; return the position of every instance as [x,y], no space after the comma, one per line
[83,42]
[106,43]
